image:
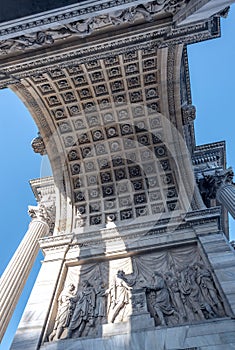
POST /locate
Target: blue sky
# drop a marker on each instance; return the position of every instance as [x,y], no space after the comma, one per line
[212,81]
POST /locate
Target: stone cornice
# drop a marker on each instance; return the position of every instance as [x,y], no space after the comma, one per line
[144,231]
[209,146]
[197,215]
[212,153]
[63,15]
[13,69]
[42,183]
[84,10]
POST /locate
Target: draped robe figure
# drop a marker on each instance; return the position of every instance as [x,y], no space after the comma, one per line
[159,299]
[65,310]
[84,310]
[119,296]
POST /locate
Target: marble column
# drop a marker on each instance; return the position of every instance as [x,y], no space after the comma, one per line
[226,196]
[16,273]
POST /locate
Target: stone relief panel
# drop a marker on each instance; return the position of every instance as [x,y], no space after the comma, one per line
[86,26]
[172,287]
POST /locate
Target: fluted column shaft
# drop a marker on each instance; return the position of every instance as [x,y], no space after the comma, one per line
[226,196]
[16,273]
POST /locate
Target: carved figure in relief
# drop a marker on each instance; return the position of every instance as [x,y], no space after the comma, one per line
[84,311]
[204,280]
[81,28]
[26,41]
[159,299]
[100,306]
[85,27]
[192,295]
[66,306]
[155,6]
[175,295]
[119,294]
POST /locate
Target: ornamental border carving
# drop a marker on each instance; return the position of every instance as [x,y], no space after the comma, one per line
[66,16]
[84,12]
[192,219]
[11,73]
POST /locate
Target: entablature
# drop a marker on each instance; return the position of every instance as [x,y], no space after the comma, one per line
[80,33]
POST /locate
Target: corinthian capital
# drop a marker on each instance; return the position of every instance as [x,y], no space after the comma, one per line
[210,181]
[40,212]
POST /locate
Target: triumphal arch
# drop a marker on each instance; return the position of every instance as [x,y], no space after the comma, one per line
[133,223]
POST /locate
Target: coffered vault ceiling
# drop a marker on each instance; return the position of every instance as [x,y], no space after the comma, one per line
[110,94]
[113,129]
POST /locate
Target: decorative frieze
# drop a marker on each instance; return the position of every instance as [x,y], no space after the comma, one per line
[156,37]
[85,26]
[172,287]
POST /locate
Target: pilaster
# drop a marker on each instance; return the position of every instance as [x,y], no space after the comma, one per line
[221,257]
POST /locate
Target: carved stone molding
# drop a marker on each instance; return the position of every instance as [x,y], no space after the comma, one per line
[209,157]
[77,53]
[90,244]
[81,22]
[84,11]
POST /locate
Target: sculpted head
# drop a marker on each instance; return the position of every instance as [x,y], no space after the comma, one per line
[71,287]
[120,273]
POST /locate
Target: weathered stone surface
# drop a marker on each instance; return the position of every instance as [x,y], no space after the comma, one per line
[136,261]
[203,336]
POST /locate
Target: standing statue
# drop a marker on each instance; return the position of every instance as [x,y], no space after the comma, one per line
[119,293]
[66,306]
[84,311]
